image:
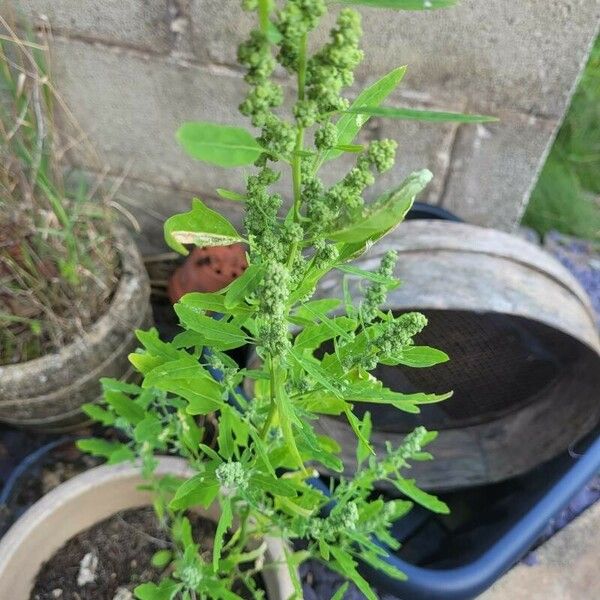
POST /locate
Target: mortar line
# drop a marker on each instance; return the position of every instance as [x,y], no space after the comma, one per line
[449,169]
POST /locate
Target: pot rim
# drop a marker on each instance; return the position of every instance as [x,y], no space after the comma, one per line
[87,499]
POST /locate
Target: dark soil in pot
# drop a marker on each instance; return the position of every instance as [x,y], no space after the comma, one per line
[114,556]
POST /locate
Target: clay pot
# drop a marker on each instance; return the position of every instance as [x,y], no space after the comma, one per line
[46,393]
[208,270]
[88,499]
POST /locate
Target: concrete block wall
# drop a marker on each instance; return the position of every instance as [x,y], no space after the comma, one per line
[133,70]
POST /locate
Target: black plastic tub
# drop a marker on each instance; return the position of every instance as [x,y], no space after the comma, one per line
[489,529]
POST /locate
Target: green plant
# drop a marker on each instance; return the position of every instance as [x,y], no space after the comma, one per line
[567,194]
[266,447]
[57,264]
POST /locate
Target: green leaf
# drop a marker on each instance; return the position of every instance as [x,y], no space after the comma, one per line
[310,444]
[125,407]
[216,332]
[207,301]
[359,431]
[166,590]
[370,275]
[200,226]
[277,487]
[183,368]
[97,413]
[155,346]
[108,383]
[375,393]
[307,310]
[417,356]
[347,566]
[387,212]
[402,4]
[314,369]
[113,451]
[243,286]
[363,450]
[413,114]
[203,397]
[161,559]
[409,488]
[353,148]
[220,145]
[229,195]
[224,524]
[200,490]
[287,416]
[391,571]
[349,125]
[148,429]
[312,336]
[341,591]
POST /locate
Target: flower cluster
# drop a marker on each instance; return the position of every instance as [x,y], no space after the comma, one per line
[393,335]
[232,476]
[326,137]
[296,19]
[398,333]
[255,54]
[343,518]
[261,215]
[332,68]
[273,294]
[344,200]
[377,290]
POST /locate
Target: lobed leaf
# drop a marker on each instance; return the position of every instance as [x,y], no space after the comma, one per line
[225,521]
[200,226]
[201,489]
[409,488]
[417,356]
[216,332]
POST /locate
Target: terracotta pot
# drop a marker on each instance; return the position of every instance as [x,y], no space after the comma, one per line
[46,393]
[208,270]
[82,502]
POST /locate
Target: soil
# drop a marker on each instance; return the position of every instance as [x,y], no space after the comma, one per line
[123,546]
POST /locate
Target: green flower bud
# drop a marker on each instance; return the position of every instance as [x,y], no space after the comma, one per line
[305,112]
[326,137]
[191,576]
[232,476]
[376,292]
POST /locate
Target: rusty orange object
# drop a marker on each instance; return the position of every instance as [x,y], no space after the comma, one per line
[208,270]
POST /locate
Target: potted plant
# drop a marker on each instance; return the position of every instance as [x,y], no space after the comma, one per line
[260,469]
[72,283]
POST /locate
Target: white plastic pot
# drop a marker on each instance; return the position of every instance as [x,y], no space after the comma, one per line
[87,499]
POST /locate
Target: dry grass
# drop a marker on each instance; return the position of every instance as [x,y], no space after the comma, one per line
[58,267]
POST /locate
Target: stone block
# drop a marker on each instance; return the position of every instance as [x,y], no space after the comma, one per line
[131,104]
[493,167]
[524,56]
[134,23]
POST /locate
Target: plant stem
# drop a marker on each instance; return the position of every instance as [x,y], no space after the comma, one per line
[264,7]
[273,406]
[297,158]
